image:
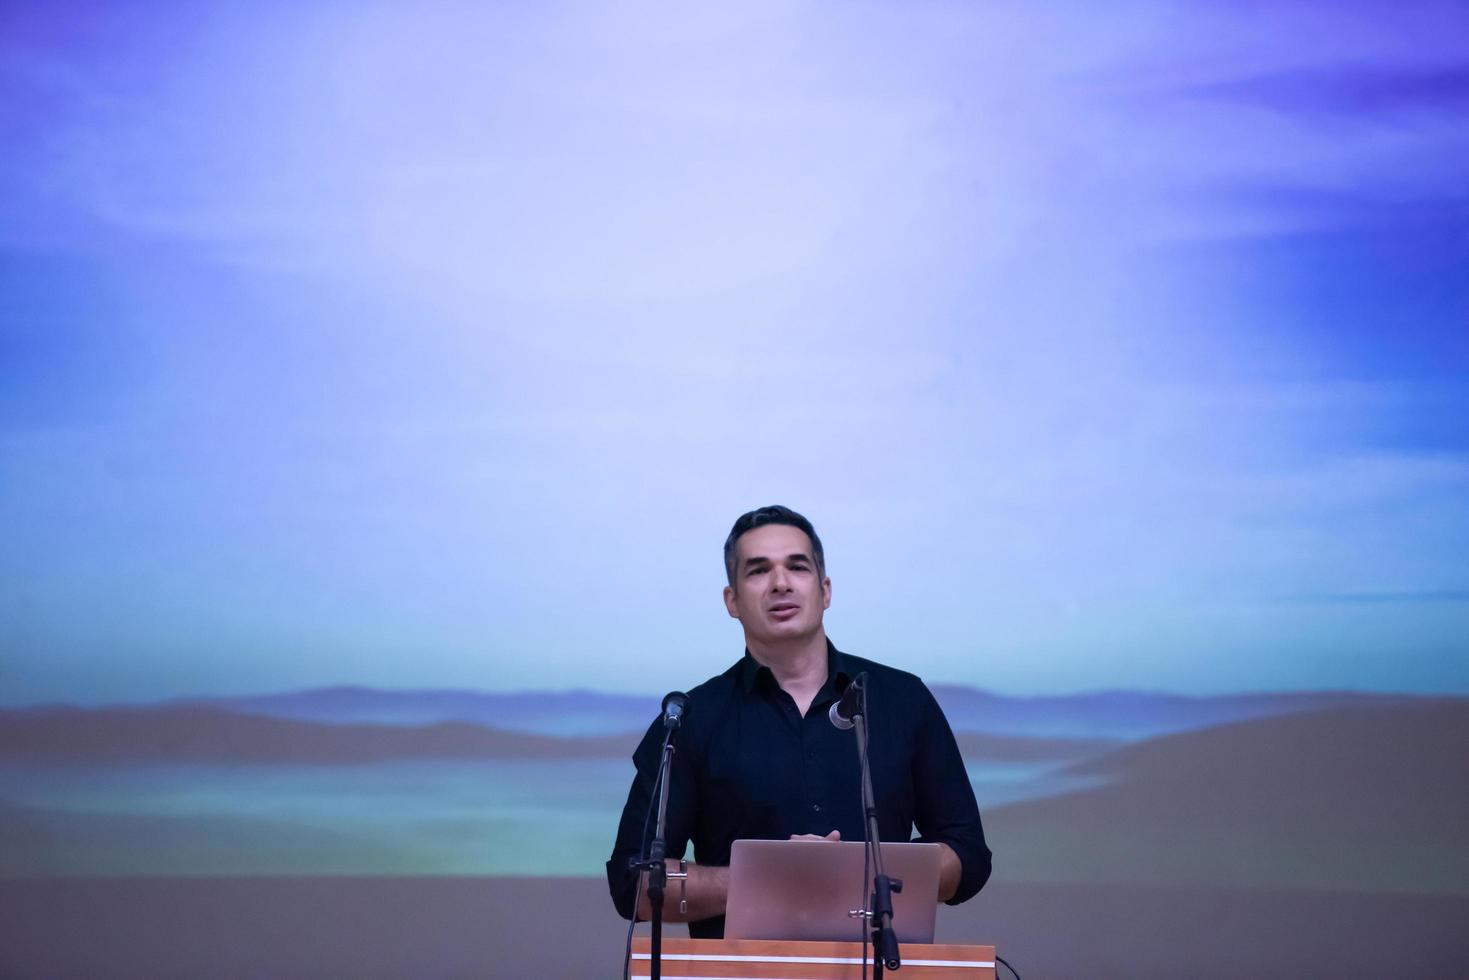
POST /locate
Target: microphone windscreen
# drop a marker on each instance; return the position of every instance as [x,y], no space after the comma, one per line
[849,705]
[675,705]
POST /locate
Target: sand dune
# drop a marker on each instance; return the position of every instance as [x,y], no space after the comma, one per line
[985,747]
[1366,799]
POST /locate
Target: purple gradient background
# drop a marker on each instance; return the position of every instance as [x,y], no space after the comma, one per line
[1113,349]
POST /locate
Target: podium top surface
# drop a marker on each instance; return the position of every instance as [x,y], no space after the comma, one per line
[769,960]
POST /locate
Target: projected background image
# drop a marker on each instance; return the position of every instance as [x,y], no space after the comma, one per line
[379,384]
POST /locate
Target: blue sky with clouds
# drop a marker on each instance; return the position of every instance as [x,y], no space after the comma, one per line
[440,345]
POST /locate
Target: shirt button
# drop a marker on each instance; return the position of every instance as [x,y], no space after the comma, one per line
[816,808]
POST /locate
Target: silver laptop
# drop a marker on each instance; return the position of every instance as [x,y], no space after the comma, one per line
[803,889]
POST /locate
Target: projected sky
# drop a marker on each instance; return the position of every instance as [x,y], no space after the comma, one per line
[439,345]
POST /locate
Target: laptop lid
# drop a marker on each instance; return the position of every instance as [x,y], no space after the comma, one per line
[803,890]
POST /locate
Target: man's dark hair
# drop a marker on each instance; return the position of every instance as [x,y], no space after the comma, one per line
[774,514]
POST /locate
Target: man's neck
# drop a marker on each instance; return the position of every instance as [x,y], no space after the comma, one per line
[799,668]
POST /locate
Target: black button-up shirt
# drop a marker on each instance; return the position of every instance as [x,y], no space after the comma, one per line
[748,765]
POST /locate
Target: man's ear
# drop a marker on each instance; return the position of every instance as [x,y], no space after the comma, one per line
[826,593]
[729,601]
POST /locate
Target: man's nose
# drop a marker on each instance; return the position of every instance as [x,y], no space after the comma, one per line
[779,579]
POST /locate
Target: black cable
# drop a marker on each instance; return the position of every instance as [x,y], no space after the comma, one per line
[1008,967]
[637,898]
[866,875]
[867,886]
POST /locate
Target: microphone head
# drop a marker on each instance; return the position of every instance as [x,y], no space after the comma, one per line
[849,705]
[674,706]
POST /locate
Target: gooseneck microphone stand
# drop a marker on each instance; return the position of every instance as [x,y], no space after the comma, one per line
[880,912]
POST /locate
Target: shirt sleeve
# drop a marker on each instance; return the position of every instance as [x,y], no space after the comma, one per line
[635,829]
[946,810]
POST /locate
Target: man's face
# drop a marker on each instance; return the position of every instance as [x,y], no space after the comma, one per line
[777,594]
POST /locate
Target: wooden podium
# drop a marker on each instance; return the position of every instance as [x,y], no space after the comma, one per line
[756,958]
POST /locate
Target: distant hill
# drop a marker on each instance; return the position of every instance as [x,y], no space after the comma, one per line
[562,713]
[1138,714]
[1369,799]
[1128,715]
[197,734]
[194,733]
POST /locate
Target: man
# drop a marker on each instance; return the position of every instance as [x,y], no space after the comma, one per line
[757,756]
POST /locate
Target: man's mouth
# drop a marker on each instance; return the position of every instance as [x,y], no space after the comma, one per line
[784,610]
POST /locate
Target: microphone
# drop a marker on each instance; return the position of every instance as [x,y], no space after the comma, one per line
[674,706]
[850,705]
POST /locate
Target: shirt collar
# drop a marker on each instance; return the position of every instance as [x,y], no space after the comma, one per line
[838,670]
